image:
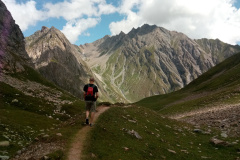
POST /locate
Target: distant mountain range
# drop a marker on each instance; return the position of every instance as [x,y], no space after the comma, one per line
[151,60]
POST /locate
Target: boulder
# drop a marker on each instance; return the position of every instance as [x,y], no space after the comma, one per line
[218,142]
[4,143]
[4,157]
[132,132]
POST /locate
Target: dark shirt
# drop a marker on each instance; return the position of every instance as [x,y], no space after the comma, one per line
[95,90]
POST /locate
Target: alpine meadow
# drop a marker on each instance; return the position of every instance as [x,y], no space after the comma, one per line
[162,95]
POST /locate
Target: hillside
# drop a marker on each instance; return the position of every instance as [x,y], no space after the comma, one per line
[151,60]
[35,115]
[139,133]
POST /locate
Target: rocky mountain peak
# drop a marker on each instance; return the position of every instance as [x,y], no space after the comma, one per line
[122,33]
[58,60]
[12,46]
[146,28]
[44,28]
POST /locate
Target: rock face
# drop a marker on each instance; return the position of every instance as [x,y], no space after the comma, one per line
[58,60]
[13,55]
[151,60]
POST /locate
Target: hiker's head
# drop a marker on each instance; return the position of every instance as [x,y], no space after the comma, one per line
[91,80]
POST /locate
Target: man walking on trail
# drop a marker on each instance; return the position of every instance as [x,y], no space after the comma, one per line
[90,97]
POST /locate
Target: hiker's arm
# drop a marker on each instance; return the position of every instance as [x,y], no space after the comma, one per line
[84,91]
[96,95]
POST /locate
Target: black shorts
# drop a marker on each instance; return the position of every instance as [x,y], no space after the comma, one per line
[91,106]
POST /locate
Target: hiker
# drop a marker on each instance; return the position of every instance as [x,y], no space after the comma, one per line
[90,97]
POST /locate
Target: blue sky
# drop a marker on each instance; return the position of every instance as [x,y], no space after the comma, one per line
[84,21]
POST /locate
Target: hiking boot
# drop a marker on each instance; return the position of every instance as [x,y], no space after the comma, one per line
[87,121]
[91,124]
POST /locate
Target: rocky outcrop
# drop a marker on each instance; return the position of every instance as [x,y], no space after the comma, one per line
[151,60]
[13,55]
[58,60]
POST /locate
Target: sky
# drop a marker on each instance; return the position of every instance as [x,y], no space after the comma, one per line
[84,21]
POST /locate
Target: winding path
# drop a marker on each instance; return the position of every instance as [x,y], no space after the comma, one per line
[75,151]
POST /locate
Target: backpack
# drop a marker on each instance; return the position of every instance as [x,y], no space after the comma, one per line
[90,91]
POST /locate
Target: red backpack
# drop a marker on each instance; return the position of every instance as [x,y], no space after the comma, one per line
[90,91]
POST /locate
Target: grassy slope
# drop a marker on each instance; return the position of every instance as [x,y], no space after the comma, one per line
[21,122]
[221,84]
[109,138]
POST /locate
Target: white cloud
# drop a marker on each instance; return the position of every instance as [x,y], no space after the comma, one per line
[106,8]
[133,20]
[74,9]
[75,28]
[25,14]
[79,14]
[70,10]
[196,18]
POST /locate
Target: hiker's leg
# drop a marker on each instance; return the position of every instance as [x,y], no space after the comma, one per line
[87,114]
[93,110]
[92,117]
[88,106]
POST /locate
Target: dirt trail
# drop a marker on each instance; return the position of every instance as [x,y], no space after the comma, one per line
[77,145]
[205,110]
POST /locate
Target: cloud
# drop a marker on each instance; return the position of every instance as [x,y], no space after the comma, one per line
[70,10]
[75,28]
[133,20]
[105,8]
[25,14]
[196,18]
[79,14]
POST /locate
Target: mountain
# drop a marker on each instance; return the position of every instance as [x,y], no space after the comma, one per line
[151,60]
[58,60]
[13,55]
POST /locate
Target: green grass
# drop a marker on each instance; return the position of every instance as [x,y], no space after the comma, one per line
[27,103]
[32,75]
[110,137]
[22,121]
